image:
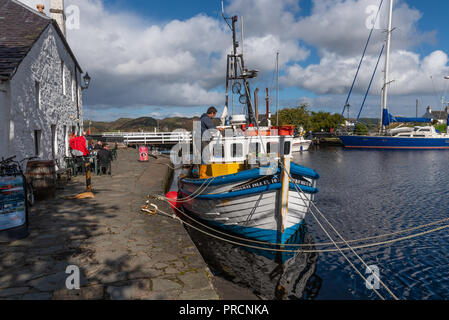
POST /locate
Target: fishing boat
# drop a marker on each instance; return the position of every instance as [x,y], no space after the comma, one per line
[425,137]
[247,184]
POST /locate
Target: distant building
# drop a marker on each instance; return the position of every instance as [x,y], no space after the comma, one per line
[440,116]
[40,83]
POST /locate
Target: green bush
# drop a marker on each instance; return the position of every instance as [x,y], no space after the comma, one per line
[361,129]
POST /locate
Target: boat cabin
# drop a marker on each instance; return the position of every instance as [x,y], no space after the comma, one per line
[245,150]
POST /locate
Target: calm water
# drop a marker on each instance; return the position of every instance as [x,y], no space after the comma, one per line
[363,193]
[368,193]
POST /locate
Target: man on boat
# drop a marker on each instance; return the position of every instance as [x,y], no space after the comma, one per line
[207,122]
[208,128]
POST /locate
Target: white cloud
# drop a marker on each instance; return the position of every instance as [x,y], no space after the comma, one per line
[135,62]
[334,74]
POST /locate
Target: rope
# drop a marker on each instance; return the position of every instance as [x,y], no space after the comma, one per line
[377,244]
[325,243]
[369,88]
[301,193]
[360,64]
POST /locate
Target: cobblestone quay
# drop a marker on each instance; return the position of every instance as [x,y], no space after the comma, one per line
[121,253]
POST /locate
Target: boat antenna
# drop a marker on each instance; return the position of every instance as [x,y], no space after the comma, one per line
[223,15]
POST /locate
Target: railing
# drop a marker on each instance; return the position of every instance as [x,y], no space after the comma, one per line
[151,137]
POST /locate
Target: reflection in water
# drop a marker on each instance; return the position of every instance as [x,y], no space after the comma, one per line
[251,268]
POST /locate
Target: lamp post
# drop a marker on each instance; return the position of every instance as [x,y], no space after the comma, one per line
[87,79]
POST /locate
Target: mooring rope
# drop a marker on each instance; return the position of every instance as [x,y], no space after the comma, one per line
[174,216]
[324,244]
[301,194]
[376,244]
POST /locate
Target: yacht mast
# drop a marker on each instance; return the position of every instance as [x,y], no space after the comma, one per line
[277,89]
[387,64]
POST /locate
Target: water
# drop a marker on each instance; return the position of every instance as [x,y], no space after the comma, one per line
[368,193]
[363,193]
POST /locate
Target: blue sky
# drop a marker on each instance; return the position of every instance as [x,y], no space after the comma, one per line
[165,58]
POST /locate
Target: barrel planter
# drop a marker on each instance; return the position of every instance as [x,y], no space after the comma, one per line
[42,176]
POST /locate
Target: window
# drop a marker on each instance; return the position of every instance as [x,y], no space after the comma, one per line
[66,142]
[237,150]
[72,78]
[54,141]
[37,142]
[272,147]
[37,92]
[254,147]
[218,150]
[287,147]
[63,77]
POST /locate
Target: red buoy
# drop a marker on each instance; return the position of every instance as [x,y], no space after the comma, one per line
[172,198]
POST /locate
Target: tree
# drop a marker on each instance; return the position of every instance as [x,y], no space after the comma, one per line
[298,116]
[302,117]
[324,121]
[361,129]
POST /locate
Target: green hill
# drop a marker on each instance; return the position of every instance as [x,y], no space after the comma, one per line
[141,124]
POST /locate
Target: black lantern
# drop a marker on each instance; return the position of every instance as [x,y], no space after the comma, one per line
[86,79]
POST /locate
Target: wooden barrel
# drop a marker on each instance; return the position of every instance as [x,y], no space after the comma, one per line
[42,176]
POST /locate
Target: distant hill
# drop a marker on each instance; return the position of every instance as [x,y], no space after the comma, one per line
[141,124]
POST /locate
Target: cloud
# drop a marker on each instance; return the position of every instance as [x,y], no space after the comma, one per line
[334,74]
[136,62]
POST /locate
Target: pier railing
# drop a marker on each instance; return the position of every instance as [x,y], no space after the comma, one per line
[147,138]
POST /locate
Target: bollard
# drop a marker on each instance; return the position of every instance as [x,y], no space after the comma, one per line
[88,177]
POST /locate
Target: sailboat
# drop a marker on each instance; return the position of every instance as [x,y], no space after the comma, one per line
[419,137]
[246,183]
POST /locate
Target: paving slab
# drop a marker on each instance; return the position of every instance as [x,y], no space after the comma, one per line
[120,252]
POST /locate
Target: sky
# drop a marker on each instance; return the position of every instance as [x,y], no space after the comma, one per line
[168,58]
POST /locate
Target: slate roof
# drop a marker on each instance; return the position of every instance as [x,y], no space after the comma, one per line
[20,28]
[437,115]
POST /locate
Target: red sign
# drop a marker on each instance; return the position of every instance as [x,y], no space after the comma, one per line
[143,154]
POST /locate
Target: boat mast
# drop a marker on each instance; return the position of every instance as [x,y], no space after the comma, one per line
[236,70]
[277,89]
[387,65]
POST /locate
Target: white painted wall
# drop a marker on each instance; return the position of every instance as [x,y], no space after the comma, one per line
[43,64]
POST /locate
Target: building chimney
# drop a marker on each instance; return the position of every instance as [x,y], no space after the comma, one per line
[40,8]
[58,14]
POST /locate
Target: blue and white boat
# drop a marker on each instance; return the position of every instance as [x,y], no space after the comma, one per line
[246,186]
[411,138]
[425,137]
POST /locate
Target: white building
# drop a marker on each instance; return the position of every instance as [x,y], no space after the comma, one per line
[441,116]
[40,83]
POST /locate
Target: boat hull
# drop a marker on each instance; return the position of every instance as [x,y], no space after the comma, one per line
[301,145]
[249,207]
[373,142]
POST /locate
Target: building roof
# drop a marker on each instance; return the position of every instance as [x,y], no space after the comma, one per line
[437,115]
[20,28]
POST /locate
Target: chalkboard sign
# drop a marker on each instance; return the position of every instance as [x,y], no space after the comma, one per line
[12,202]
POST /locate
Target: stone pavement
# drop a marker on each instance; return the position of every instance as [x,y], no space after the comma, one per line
[121,253]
